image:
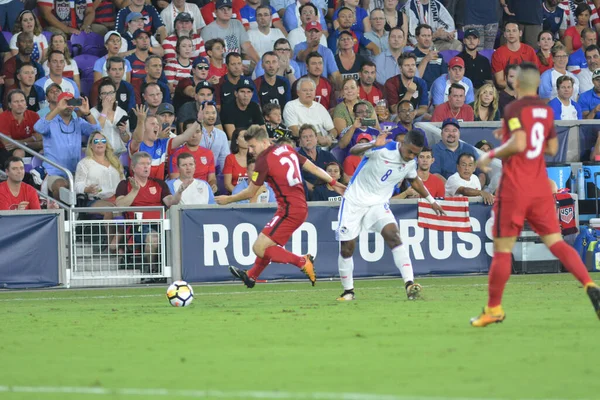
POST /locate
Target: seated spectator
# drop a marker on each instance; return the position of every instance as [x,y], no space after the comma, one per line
[590,101]
[204,160]
[388,61]
[14,193]
[347,60]
[56,63]
[343,113]
[308,13]
[236,166]
[177,7]
[153,98]
[447,150]
[360,18]
[565,108]
[184,27]
[98,174]
[323,191]
[249,17]
[484,146]
[14,63]
[509,93]
[352,161]
[204,92]
[548,79]
[126,97]
[152,21]
[58,42]
[17,122]
[166,118]
[405,121]
[303,50]
[34,95]
[430,63]
[291,15]
[185,90]
[273,122]
[325,94]
[554,19]
[456,75]
[262,36]
[485,107]
[209,9]
[228,84]
[477,67]
[213,138]
[572,38]
[154,74]
[215,49]
[438,18]
[27,22]
[264,194]
[368,89]
[243,112]
[132,40]
[406,86]
[464,183]
[432,182]
[544,53]
[196,191]
[513,52]
[78,17]
[347,23]
[455,107]
[271,87]
[109,115]
[112,42]
[378,35]
[364,122]
[395,17]
[180,67]
[305,110]
[592,55]
[62,134]
[288,67]
[310,149]
[578,59]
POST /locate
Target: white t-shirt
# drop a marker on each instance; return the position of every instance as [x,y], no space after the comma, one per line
[197,193]
[39,40]
[568,112]
[455,182]
[111,131]
[73,67]
[296,114]
[263,43]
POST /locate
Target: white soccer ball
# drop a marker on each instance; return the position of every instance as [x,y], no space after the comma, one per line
[180,294]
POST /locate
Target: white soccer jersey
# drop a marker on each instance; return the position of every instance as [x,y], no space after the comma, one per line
[380,170]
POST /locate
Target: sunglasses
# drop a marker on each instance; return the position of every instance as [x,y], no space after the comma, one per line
[98,141]
[203,67]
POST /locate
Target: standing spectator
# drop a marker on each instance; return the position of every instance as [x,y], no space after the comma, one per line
[224,92]
[548,89]
[112,42]
[592,55]
[572,38]
[323,191]
[213,139]
[544,53]
[308,13]
[79,16]
[565,108]
[406,86]
[272,88]
[181,66]
[481,16]
[204,92]
[509,93]
[554,19]
[62,134]
[570,8]
[527,14]
[108,114]
[343,113]
[378,35]
[368,89]
[456,75]
[14,193]
[429,62]
[464,182]
[34,95]
[186,87]
[455,107]
[262,36]
[56,62]
[312,45]
[387,62]
[27,22]
[58,42]
[485,107]
[235,169]
[196,191]
[395,17]
[14,63]
[590,100]
[477,67]
[9,13]
[177,7]
[309,148]
[152,21]
[447,150]
[577,60]
[513,52]
[243,112]
[184,27]
[325,94]
[433,14]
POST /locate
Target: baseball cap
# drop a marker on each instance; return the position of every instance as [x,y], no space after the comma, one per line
[133,16]
[471,32]
[313,25]
[200,60]
[165,108]
[596,73]
[364,136]
[109,34]
[53,85]
[204,85]
[64,95]
[450,121]
[184,16]
[245,84]
[456,62]
[222,3]
[139,32]
[483,142]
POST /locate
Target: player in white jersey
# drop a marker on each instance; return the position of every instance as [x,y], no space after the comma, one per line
[365,204]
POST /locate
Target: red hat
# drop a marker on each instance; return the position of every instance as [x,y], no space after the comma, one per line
[313,25]
[456,62]
[364,136]
[65,95]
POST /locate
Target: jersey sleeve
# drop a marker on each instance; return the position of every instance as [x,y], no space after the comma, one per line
[261,168]
[412,173]
[228,167]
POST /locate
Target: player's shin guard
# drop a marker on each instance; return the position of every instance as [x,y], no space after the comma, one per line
[571,260]
[346,268]
[498,276]
[403,263]
[259,266]
[280,255]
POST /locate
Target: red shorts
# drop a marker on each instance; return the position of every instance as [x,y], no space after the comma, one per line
[510,215]
[282,225]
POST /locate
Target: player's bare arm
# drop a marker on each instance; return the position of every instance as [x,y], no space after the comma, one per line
[321,174]
[419,187]
[361,148]
[551,147]
[516,144]
[245,194]
[488,198]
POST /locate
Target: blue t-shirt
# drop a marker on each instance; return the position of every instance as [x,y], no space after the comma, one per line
[588,101]
[552,20]
[577,60]
[329,65]
[358,25]
[434,69]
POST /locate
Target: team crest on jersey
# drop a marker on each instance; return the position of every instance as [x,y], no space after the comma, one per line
[281,89]
[159,152]
[557,20]
[566,214]
[152,190]
[32,101]
[63,10]
[203,160]
[375,99]
[123,97]
[324,92]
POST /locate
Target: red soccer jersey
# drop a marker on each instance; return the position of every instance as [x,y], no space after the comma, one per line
[325,95]
[204,158]
[435,186]
[238,173]
[280,167]
[150,195]
[351,163]
[373,96]
[26,193]
[503,57]
[524,174]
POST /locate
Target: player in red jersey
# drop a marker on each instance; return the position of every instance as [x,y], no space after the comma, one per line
[524,192]
[280,167]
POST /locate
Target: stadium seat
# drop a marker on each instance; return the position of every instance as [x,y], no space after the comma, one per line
[88,44]
[85,63]
[447,55]
[487,53]
[7,36]
[221,184]
[339,154]
[48,36]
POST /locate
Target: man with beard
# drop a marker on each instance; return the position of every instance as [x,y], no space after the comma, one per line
[272,88]
[440,90]
[369,90]
[577,59]
[325,93]
[138,58]
[508,94]
[477,67]
[224,93]
[186,88]
[204,92]
[243,112]
[406,86]
[13,64]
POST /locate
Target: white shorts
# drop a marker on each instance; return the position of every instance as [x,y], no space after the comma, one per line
[353,219]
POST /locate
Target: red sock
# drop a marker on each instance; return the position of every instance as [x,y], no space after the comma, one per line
[571,260]
[259,266]
[280,255]
[498,276]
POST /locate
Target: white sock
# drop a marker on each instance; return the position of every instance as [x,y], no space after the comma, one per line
[346,268]
[403,263]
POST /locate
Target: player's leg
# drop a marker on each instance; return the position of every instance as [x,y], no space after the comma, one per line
[350,219]
[391,236]
[346,269]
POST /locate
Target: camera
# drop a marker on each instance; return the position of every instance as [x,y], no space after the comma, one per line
[74,102]
[368,121]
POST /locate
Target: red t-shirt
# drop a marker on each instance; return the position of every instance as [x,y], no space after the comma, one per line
[205,161]
[151,195]
[435,186]
[524,174]
[576,36]
[373,96]
[443,112]
[26,193]
[219,72]
[543,68]
[10,126]
[503,57]
[238,173]
[208,11]
[351,163]
[325,95]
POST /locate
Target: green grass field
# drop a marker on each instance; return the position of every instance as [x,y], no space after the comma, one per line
[293,341]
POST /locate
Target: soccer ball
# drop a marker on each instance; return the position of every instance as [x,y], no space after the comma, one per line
[180,294]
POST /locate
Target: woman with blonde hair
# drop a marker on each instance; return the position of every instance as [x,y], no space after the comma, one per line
[485,106]
[58,42]
[28,22]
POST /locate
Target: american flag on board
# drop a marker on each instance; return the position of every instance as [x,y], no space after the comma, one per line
[455,220]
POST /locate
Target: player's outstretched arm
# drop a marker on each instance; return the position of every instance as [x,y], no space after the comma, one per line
[321,174]
[245,194]
[516,144]
[419,187]
[361,148]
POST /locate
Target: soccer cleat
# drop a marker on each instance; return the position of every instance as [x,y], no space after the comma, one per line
[489,316]
[348,295]
[309,268]
[593,292]
[241,274]
[413,291]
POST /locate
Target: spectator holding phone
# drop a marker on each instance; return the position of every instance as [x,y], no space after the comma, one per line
[363,123]
[112,118]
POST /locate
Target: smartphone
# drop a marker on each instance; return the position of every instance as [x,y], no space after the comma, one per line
[368,121]
[165,125]
[74,102]
[123,119]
